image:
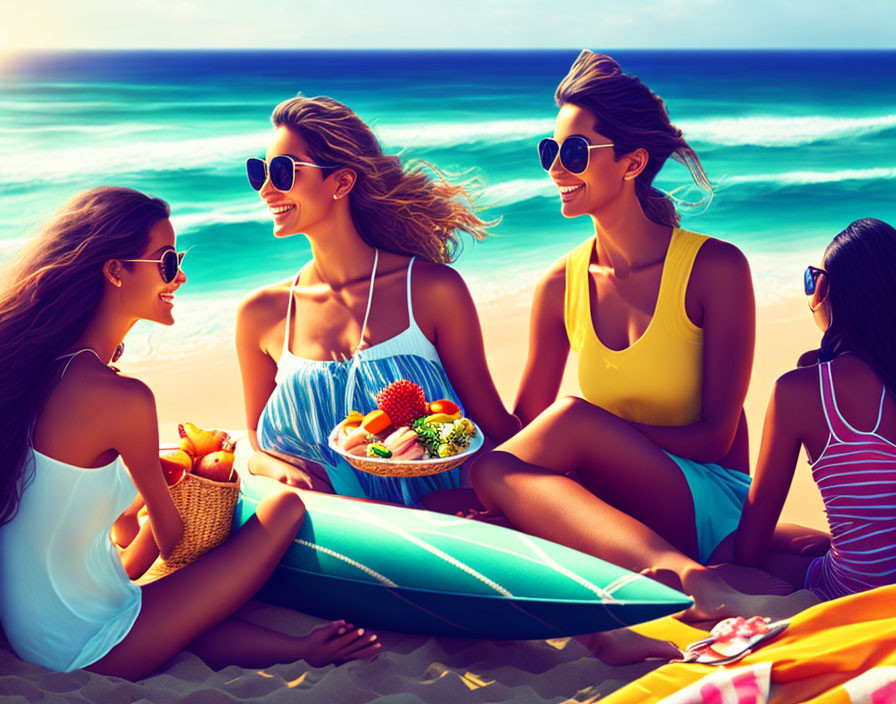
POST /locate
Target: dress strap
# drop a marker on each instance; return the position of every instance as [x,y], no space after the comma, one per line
[880,410]
[71,355]
[376,259]
[411,320]
[836,423]
[289,316]
[684,246]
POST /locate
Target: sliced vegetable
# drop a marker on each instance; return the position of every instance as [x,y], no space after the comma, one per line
[377,449]
[376,422]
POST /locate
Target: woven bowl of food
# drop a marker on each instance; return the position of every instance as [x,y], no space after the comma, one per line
[387,467]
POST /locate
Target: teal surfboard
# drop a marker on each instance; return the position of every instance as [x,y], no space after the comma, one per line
[403,569]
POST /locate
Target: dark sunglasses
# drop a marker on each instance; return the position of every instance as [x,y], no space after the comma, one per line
[810,279]
[282,170]
[169,264]
[574,153]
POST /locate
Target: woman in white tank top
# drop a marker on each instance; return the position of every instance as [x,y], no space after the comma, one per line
[80,442]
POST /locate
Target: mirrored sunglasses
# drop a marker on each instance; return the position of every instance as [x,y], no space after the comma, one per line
[169,264]
[810,279]
[574,153]
[282,172]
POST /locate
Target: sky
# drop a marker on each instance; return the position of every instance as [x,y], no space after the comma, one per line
[462,24]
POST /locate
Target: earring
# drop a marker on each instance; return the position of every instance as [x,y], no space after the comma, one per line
[335,197]
[117,282]
[118,352]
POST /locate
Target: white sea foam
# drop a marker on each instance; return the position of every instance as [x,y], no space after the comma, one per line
[781,131]
[806,178]
[473,131]
[114,130]
[229,215]
[222,152]
[518,190]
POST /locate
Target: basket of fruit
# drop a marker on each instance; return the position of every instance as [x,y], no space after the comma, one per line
[204,488]
[406,436]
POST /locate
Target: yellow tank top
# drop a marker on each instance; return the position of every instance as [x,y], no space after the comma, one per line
[659,379]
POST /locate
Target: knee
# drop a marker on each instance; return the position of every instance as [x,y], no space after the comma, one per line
[282,512]
[489,472]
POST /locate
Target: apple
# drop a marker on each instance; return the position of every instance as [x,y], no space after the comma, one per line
[217,466]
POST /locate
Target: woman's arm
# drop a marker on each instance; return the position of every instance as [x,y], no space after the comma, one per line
[258,371]
[723,285]
[548,346]
[126,526]
[778,455]
[136,435]
[446,309]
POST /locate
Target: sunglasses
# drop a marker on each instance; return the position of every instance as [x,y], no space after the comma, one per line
[574,153]
[169,264]
[282,171]
[810,279]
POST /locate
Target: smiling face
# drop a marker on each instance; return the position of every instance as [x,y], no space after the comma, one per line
[601,182]
[311,198]
[147,296]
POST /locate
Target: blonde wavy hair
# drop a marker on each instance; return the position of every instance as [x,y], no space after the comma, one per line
[396,208]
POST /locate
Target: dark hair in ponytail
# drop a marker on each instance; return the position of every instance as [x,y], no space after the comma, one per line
[860,263]
[633,117]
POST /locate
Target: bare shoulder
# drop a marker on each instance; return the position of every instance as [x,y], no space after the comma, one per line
[433,276]
[720,262]
[264,305]
[90,407]
[552,284]
[797,388]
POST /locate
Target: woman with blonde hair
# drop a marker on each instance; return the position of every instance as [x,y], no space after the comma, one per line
[377,303]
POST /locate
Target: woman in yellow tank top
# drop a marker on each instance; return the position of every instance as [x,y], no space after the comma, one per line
[662,321]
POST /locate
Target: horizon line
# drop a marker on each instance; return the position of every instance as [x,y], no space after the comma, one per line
[268,49]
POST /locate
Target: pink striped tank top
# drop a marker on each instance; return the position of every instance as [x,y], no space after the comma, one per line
[856,473]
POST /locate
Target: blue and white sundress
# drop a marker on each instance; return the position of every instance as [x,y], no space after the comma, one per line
[313,396]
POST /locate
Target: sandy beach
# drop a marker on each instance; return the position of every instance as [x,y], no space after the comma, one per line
[206,390]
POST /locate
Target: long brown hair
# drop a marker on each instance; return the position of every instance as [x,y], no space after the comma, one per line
[859,263]
[49,296]
[398,209]
[633,117]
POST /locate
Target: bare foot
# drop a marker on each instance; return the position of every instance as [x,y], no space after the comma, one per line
[624,647]
[337,642]
[713,597]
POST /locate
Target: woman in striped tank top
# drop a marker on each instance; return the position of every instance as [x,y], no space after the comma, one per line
[376,303]
[841,406]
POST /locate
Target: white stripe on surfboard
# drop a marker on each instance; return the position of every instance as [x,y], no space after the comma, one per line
[354,563]
[604,595]
[433,550]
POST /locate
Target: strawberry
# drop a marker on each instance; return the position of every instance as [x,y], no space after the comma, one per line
[403,401]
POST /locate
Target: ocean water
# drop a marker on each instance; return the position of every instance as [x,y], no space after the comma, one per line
[797,144]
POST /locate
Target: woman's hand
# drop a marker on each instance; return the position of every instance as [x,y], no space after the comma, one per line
[298,473]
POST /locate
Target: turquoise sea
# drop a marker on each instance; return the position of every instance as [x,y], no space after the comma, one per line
[797,144]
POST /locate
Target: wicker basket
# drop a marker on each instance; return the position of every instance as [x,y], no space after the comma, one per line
[206,508]
[405,468]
